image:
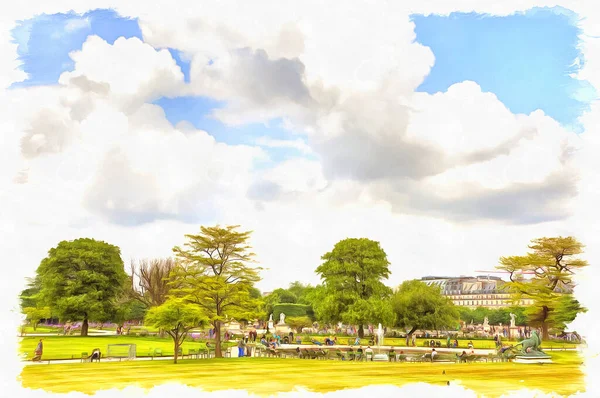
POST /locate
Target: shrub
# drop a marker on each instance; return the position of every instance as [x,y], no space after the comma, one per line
[292,310]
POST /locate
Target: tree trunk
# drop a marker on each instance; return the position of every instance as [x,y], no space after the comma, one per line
[218,353]
[84,327]
[176,344]
[34,326]
[545,333]
[361,331]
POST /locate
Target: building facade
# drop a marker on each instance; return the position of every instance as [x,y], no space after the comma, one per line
[473,292]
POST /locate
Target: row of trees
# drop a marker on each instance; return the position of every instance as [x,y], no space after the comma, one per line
[212,278]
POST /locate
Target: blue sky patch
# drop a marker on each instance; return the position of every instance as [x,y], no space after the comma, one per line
[525,59]
[198,112]
[44,42]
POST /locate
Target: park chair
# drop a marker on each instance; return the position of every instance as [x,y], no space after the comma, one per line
[193,353]
[305,354]
[312,354]
[226,351]
[321,354]
[351,355]
[401,358]
[341,355]
[368,356]
[84,357]
[273,353]
[359,356]
[158,352]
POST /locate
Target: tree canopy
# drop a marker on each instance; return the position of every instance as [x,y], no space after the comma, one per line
[80,280]
[214,272]
[420,306]
[353,291]
[551,264]
[177,318]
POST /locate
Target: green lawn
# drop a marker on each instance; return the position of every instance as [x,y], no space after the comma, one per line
[67,347]
[270,375]
[41,329]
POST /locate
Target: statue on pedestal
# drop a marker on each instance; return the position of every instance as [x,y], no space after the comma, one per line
[531,346]
[282,319]
[512,320]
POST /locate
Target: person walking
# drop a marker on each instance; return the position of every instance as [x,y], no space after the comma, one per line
[39,350]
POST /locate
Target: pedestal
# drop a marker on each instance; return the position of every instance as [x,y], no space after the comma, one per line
[283,329]
[271,327]
[381,357]
[533,359]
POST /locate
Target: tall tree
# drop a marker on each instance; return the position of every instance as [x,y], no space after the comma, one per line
[150,280]
[81,279]
[552,263]
[177,318]
[215,273]
[353,291]
[30,296]
[420,306]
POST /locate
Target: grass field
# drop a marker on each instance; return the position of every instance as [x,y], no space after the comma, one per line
[67,347]
[271,375]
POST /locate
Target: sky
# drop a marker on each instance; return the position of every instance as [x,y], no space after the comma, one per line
[451,132]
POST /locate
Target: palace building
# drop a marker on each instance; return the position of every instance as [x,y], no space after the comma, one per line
[473,292]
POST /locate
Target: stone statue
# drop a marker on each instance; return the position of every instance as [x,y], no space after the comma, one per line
[271,318]
[281,318]
[486,321]
[512,320]
[531,346]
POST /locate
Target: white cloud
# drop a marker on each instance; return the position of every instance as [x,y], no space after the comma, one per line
[134,71]
[75,24]
[298,144]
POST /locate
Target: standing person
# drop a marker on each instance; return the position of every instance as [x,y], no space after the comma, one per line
[241,348]
[414,340]
[38,351]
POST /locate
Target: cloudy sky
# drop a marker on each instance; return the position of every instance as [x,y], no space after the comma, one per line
[452,135]
[451,132]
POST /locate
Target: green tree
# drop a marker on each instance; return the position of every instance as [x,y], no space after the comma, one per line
[215,274]
[420,306]
[35,315]
[552,263]
[301,292]
[285,296]
[298,322]
[81,279]
[30,296]
[177,318]
[353,291]
[130,310]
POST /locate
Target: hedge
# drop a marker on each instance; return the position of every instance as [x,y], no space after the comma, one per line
[292,310]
